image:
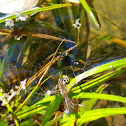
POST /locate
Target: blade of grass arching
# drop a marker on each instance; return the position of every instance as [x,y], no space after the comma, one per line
[108,66]
[98,96]
[37,108]
[88,116]
[99,113]
[99,80]
[88,10]
[35,10]
[53,106]
[89,103]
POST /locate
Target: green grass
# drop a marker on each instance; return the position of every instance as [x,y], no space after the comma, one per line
[48,105]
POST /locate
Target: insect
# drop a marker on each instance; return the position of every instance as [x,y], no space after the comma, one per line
[62,86]
[64,92]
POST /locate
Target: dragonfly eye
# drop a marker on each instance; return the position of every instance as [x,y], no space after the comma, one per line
[65,79]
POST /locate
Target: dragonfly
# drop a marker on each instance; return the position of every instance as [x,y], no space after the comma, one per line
[62,87]
[64,92]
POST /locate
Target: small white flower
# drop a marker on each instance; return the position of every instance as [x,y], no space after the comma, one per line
[9,22]
[11,96]
[21,17]
[11,91]
[77,24]
[22,85]
[16,87]
[4,103]
[5,95]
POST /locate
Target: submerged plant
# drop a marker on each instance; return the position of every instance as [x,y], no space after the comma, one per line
[24,101]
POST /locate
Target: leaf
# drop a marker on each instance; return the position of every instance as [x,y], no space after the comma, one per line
[37,108]
[108,66]
[50,123]
[2,67]
[35,10]
[88,116]
[98,96]
[99,113]
[88,10]
[53,106]
[99,80]
[28,123]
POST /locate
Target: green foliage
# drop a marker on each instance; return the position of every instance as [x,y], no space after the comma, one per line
[89,11]
[108,66]
[53,106]
[34,10]
[2,67]
[48,105]
[88,116]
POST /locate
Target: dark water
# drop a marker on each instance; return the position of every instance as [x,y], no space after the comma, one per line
[59,23]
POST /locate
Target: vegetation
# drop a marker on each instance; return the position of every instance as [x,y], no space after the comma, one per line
[34,43]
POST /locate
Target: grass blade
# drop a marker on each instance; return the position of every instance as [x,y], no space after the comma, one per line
[98,69]
[53,106]
[98,96]
[88,10]
[83,117]
[35,10]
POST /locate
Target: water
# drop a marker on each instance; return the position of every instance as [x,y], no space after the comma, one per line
[59,23]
